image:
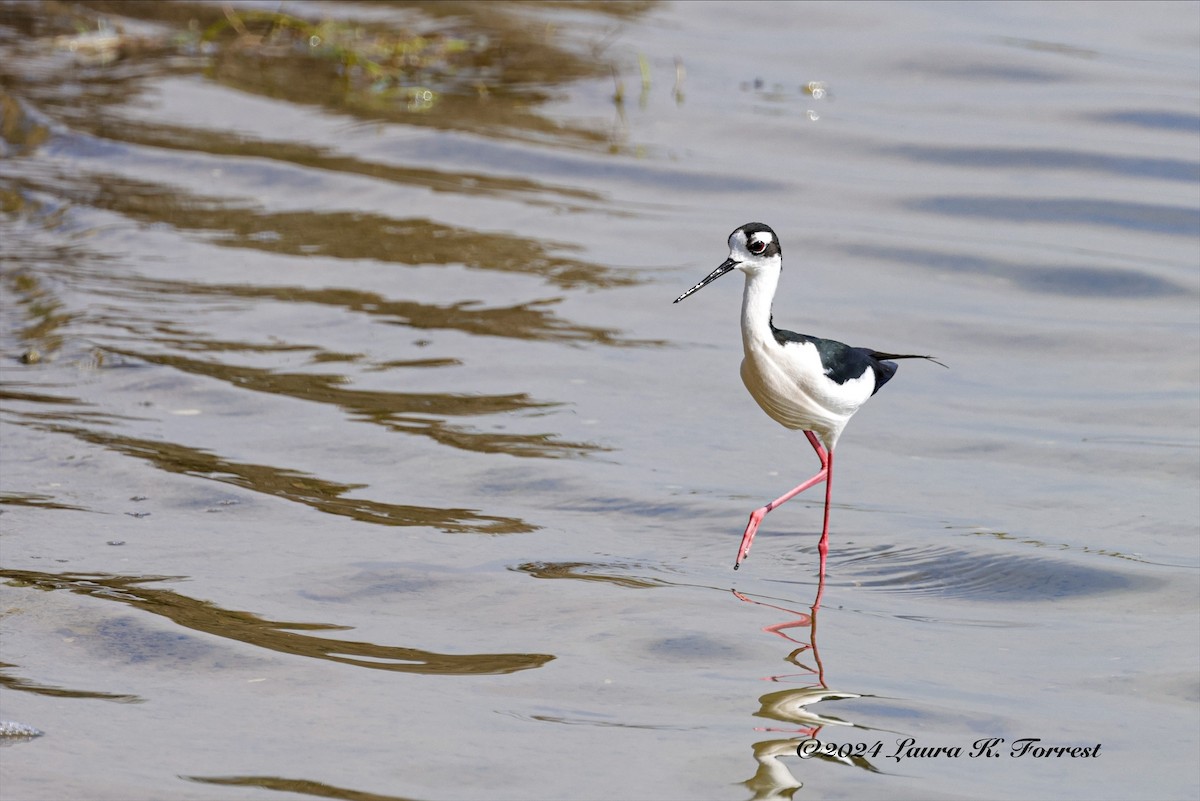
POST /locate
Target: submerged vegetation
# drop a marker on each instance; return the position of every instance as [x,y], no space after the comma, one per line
[450,62]
[393,63]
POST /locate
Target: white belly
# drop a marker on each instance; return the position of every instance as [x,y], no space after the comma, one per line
[791,387]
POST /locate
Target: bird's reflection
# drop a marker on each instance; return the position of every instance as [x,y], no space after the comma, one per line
[793,707]
[807,656]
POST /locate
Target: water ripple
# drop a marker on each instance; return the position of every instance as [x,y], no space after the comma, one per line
[956,573]
[1154,218]
[1080,280]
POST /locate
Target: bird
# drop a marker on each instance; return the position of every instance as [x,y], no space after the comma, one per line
[802,382]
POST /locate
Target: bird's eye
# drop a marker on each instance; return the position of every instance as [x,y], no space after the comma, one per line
[756,247]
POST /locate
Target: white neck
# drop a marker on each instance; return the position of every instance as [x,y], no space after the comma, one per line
[756,306]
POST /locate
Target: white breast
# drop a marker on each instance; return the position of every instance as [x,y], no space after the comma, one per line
[790,385]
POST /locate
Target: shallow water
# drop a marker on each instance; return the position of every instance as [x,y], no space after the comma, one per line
[352,446]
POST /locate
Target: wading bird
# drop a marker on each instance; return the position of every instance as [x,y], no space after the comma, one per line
[801,382]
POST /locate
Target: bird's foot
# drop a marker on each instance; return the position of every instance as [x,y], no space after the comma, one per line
[748,536]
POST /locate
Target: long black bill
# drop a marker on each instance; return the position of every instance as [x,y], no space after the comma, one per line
[713,276]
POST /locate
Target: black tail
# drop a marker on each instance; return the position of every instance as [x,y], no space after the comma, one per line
[889,356]
[885,368]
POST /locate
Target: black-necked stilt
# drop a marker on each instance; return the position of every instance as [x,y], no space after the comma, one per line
[800,381]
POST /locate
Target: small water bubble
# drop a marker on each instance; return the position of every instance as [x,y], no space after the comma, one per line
[817,89]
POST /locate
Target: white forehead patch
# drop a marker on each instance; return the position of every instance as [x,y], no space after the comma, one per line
[757,236]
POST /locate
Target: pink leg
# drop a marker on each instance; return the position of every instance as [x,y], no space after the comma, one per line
[823,545]
[757,515]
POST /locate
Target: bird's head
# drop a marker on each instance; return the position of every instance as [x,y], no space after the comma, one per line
[753,248]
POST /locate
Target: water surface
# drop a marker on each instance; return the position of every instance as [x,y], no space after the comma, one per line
[352,446]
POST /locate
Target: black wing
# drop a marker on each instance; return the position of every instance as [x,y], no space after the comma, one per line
[843,362]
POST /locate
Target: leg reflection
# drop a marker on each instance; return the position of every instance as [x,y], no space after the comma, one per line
[793,706]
